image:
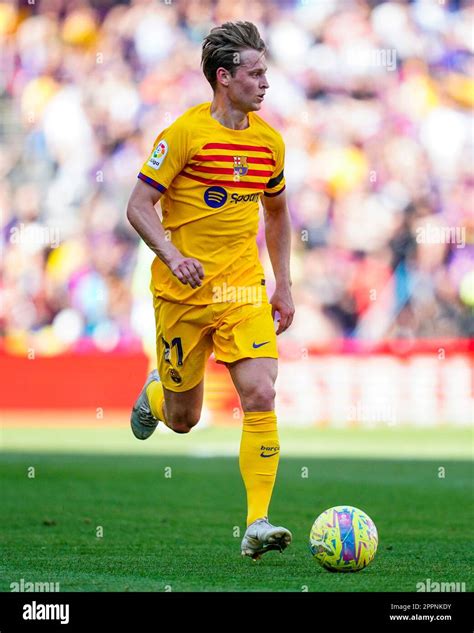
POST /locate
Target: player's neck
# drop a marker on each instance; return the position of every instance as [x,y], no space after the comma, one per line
[228,115]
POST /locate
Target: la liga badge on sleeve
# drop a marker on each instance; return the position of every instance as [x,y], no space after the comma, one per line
[158,155]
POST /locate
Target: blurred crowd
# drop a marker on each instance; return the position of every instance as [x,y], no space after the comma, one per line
[373,100]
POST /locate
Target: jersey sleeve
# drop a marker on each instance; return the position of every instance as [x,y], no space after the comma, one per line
[169,156]
[277,184]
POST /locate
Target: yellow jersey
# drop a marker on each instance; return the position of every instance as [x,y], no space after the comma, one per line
[212,178]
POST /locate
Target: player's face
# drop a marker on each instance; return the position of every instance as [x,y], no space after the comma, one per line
[248,85]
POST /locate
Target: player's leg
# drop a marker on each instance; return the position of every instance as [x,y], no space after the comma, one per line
[182,410]
[254,379]
[253,368]
[173,394]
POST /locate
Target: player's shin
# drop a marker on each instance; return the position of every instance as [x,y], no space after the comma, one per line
[259,456]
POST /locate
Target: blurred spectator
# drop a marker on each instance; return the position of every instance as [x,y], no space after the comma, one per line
[372,98]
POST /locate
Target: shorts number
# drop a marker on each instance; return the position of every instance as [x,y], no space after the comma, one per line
[179,348]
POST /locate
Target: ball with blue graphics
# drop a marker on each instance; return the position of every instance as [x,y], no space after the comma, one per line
[343,539]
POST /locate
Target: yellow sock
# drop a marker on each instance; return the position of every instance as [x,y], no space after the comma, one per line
[259,456]
[156,398]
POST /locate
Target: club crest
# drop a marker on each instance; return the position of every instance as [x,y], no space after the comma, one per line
[240,166]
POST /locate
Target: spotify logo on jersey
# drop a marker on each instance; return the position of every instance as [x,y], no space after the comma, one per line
[215,197]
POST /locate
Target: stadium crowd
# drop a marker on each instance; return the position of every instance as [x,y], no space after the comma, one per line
[373,101]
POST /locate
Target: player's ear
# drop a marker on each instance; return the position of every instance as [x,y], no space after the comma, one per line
[223,76]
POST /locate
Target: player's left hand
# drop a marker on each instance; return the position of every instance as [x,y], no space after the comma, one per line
[282,303]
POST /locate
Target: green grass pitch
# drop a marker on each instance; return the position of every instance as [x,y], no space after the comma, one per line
[151,522]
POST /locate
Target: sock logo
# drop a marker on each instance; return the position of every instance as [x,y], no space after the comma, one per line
[269,451]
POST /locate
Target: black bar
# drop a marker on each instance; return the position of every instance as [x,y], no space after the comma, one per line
[239,612]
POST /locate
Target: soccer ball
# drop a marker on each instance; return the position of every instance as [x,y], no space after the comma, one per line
[343,538]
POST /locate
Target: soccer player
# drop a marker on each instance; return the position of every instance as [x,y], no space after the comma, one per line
[210,169]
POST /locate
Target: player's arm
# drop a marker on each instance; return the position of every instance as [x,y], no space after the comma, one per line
[278,237]
[142,215]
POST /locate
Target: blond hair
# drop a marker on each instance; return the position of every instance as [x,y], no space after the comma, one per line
[221,48]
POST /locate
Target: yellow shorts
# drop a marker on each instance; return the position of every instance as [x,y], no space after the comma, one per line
[186,335]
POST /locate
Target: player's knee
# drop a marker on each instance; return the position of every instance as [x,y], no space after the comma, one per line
[259,397]
[181,428]
[183,421]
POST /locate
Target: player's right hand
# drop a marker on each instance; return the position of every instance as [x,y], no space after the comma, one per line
[188,270]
